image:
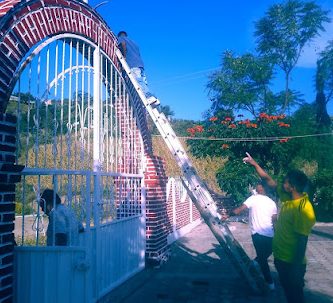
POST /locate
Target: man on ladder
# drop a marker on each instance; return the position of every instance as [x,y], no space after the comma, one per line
[131,53]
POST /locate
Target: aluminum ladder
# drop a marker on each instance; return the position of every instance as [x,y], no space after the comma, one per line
[198,192]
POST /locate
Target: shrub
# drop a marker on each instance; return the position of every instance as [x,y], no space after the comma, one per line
[19,209]
[235,177]
[323,197]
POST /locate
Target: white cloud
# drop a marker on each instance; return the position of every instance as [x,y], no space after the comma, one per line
[310,53]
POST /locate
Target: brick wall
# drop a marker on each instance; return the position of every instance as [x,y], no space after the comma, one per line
[9,175]
[155,179]
[181,210]
[156,210]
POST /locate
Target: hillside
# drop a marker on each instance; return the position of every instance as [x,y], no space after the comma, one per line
[206,167]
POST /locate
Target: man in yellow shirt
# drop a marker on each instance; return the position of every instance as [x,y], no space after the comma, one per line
[292,229]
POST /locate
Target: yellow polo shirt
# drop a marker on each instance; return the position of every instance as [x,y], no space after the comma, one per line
[295,217]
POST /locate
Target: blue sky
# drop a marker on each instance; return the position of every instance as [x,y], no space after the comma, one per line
[181,42]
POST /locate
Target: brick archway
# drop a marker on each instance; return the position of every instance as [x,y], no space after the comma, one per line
[25,24]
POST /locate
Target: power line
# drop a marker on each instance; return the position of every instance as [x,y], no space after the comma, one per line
[184,77]
[253,139]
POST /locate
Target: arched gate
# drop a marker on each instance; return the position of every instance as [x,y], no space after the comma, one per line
[79,126]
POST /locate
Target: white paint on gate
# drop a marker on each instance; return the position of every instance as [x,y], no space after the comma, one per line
[68,274]
[72,137]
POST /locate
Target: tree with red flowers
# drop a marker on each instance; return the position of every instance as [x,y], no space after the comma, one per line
[228,136]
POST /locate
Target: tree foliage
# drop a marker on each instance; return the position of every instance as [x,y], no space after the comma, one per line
[244,85]
[324,75]
[241,84]
[324,85]
[277,142]
[236,179]
[168,112]
[227,136]
[323,182]
[285,30]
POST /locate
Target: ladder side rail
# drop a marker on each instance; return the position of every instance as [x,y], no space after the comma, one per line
[201,192]
[153,112]
[198,191]
[182,159]
[182,155]
[234,250]
[174,145]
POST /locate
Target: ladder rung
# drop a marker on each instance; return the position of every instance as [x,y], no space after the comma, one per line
[200,195]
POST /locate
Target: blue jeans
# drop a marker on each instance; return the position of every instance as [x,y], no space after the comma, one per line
[139,75]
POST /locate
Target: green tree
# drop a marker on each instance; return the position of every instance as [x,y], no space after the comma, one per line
[323,198]
[241,84]
[285,30]
[25,97]
[227,136]
[180,126]
[324,85]
[235,178]
[168,112]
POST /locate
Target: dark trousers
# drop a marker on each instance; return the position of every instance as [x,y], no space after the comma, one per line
[263,247]
[292,280]
[60,239]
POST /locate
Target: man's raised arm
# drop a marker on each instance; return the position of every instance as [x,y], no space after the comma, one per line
[260,171]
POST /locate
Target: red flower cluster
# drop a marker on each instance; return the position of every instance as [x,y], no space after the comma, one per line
[284,140]
[269,118]
[282,124]
[213,119]
[228,120]
[195,129]
[253,125]
[248,123]
[191,131]
[231,123]
[199,128]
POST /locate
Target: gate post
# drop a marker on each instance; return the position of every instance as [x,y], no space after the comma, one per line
[9,175]
[156,210]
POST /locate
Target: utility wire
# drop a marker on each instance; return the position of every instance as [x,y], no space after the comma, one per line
[252,139]
[184,77]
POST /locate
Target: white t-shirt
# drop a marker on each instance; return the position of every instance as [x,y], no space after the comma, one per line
[261,209]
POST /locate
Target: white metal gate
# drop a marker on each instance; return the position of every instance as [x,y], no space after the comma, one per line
[78,134]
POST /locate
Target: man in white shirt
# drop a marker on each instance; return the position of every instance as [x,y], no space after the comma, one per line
[262,214]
